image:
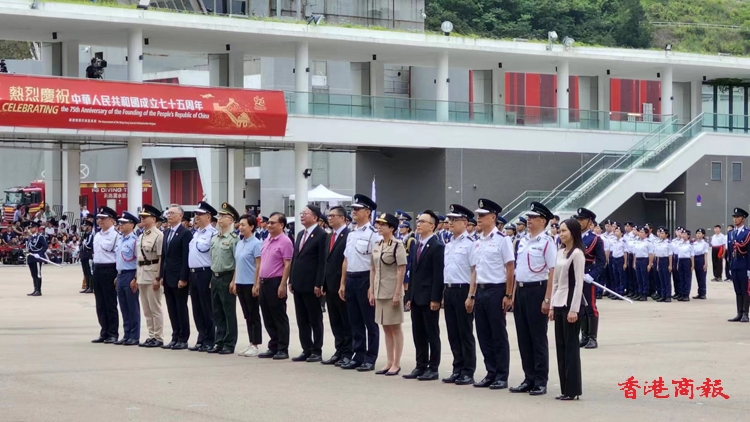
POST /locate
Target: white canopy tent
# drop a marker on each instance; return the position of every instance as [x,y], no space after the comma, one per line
[323,194]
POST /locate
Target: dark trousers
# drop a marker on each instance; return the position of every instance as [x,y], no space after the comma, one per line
[632,276]
[130,306]
[604,278]
[716,262]
[568,353]
[105,296]
[251,311]
[309,322]
[700,274]
[619,278]
[531,328]
[641,273]
[338,316]
[676,273]
[365,332]
[460,327]
[728,266]
[686,276]
[662,268]
[653,280]
[425,329]
[224,304]
[35,267]
[274,314]
[203,314]
[491,331]
[177,306]
[590,310]
[86,267]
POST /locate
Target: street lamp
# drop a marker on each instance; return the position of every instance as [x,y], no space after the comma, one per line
[551,37]
[568,42]
[446,27]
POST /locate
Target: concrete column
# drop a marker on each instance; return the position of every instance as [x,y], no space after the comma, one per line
[53,176]
[300,182]
[71,186]
[135,182]
[377,88]
[236,69]
[62,59]
[666,91]
[301,78]
[498,96]
[696,99]
[603,99]
[441,88]
[135,57]
[563,91]
[236,178]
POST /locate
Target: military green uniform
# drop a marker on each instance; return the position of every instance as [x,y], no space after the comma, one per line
[224,303]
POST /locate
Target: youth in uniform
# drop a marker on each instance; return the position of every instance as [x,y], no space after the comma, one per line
[664,265]
[718,251]
[686,262]
[595,262]
[700,251]
[643,257]
[36,246]
[618,258]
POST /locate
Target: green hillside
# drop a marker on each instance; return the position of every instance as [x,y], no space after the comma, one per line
[705,26]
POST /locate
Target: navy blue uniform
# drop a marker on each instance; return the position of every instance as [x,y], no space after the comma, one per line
[740,264]
[728,255]
[595,263]
[36,245]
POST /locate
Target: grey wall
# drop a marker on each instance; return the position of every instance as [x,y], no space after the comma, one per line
[719,197]
[641,211]
[407,179]
[423,83]
[276,73]
[400,14]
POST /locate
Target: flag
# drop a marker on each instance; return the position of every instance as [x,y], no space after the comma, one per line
[373,197]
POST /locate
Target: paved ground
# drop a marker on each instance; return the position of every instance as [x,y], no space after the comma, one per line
[49,371]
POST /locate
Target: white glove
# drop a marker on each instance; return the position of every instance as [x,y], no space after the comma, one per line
[36,255]
[748,274]
[588,278]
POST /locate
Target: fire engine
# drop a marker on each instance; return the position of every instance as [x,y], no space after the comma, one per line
[111,194]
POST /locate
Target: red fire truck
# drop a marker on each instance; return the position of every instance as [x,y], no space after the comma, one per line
[111,194]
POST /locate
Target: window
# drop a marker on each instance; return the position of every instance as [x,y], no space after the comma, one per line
[736,172]
[715,170]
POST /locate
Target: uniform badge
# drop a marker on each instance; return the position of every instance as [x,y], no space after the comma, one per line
[148,231]
[481,204]
[452,208]
[225,205]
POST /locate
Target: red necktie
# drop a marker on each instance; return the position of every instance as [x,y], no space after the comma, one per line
[333,240]
[304,237]
[419,251]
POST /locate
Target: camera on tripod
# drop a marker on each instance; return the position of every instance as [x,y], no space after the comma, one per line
[96,69]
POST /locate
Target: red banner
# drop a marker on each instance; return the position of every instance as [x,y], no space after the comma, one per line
[62,103]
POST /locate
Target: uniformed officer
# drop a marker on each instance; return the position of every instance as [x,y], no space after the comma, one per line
[500,223]
[537,255]
[686,264]
[663,263]
[459,317]
[595,261]
[700,250]
[125,283]
[199,261]
[86,254]
[521,228]
[355,283]
[222,269]
[740,264]
[105,272]
[493,266]
[471,229]
[728,254]
[150,245]
[262,233]
[36,247]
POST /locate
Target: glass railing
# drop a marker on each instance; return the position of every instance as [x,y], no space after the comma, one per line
[409,109]
[732,123]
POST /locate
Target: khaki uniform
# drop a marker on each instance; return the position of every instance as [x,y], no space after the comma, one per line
[149,255]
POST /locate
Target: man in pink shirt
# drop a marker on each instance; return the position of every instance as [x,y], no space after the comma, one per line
[275,263]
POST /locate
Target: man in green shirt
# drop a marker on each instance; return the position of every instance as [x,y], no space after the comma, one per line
[223,301]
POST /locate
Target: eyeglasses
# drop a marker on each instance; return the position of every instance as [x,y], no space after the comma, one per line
[271,223]
[424,222]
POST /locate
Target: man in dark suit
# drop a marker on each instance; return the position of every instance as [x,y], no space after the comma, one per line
[174,275]
[337,311]
[424,297]
[308,263]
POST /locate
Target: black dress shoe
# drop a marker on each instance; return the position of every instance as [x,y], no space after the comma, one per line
[216,349]
[101,339]
[699,297]
[110,340]
[464,380]
[365,367]
[169,346]
[342,361]
[429,375]
[36,293]
[84,290]
[281,356]
[567,398]
[350,365]
[156,343]
[146,343]
[195,348]
[226,351]
[332,361]
[592,344]
[180,346]
[668,300]
[90,291]
[131,342]
[268,354]
[314,358]
[538,391]
[301,358]
[523,388]
[414,374]
[206,348]
[451,379]
[498,385]
[484,383]
[121,341]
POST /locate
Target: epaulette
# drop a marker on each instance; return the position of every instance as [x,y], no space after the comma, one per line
[233,234]
[372,228]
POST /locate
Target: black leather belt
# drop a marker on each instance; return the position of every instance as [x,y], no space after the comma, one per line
[266,280]
[222,274]
[125,271]
[531,283]
[148,262]
[105,266]
[490,286]
[456,285]
[357,273]
[200,269]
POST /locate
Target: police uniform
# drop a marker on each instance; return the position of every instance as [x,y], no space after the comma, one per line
[663,263]
[675,262]
[740,265]
[358,258]
[224,303]
[36,247]
[86,254]
[521,233]
[199,261]
[105,273]
[685,263]
[493,252]
[700,252]
[150,246]
[617,258]
[127,254]
[642,251]
[459,255]
[595,262]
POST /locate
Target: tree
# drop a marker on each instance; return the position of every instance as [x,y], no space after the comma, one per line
[15,50]
[632,28]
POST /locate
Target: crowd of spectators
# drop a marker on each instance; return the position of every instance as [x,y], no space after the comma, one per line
[63,238]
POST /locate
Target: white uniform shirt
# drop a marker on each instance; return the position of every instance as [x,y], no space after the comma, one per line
[662,248]
[618,248]
[536,258]
[700,247]
[199,255]
[606,242]
[359,245]
[491,253]
[105,243]
[718,240]
[675,245]
[642,248]
[459,254]
[685,250]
